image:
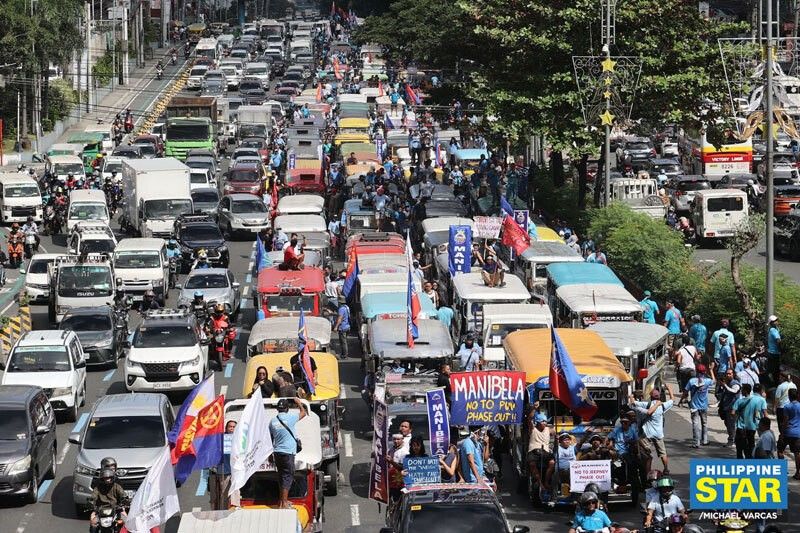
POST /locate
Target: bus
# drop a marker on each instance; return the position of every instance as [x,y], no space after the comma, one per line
[208,47]
[732,157]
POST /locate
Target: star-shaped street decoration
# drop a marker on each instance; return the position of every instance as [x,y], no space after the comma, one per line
[608,64]
[607,94]
[607,81]
[607,118]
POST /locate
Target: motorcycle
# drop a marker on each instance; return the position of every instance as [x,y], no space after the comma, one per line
[173,272]
[159,73]
[128,123]
[173,59]
[109,519]
[31,245]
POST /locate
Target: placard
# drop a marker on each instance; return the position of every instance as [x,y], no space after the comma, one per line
[581,473]
[421,471]
[379,470]
[487,227]
[438,423]
[487,397]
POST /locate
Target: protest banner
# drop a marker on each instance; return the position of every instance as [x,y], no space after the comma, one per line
[487,397]
[379,470]
[421,471]
[581,473]
[487,227]
[438,424]
[459,250]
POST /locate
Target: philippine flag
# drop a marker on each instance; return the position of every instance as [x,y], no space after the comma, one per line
[352,275]
[305,357]
[412,300]
[566,384]
[412,96]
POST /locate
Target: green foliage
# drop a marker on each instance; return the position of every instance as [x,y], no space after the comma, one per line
[748,234]
[103,69]
[63,100]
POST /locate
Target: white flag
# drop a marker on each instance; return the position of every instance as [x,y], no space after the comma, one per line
[157,498]
[252,442]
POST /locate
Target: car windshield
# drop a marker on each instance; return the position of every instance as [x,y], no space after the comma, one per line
[783,180]
[84,281]
[265,487]
[202,233]
[198,72]
[693,185]
[147,149]
[255,70]
[188,132]
[13,425]
[21,191]
[291,303]
[250,86]
[86,323]
[249,152]
[725,204]
[115,166]
[788,192]
[637,146]
[252,144]
[207,281]
[158,336]
[451,517]
[240,174]
[198,177]
[667,168]
[82,211]
[167,208]
[249,206]
[205,196]
[39,266]
[103,433]
[39,359]
[97,246]
[137,259]
[498,332]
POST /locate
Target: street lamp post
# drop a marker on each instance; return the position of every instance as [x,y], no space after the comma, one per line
[769,120]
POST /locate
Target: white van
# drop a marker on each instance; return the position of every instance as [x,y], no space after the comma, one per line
[501,319]
[87,205]
[141,264]
[717,212]
[19,198]
[62,165]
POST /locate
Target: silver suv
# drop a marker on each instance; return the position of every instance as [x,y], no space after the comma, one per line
[132,428]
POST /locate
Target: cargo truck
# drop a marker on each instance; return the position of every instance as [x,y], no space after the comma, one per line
[190,124]
[254,121]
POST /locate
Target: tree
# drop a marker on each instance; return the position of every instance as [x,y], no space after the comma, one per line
[746,237]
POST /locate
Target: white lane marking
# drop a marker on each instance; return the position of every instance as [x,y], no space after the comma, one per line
[348,445]
[355,515]
[223,390]
[342,392]
[195,509]
[24,522]
[63,454]
[246,291]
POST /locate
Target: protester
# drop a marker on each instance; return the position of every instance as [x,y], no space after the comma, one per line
[773,349]
[699,335]
[653,424]
[685,358]
[791,412]
[698,388]
[781,400]
[716,343]
[342,326]
[540,455]
[470,354]
[262,382]
[449,464]
[649,308]
[219,478]
[285,445]
[473,452]
[748,409]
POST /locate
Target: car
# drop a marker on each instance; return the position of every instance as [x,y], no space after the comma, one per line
[200,178]
[787,198]
[216,74]
[110,166]
[166,352]
[54,360]
[232,76]
[99,331]
[127,152]
[744,182]
[244,151]
[291,84]
[205,200]
[37,277]
[214,87]
[91,238]
[146,419]
[278,66]
[254,96]
[246,177]
[249,83]
[217,285]
[671,168]
[28,443]
[259,144]
[637,150]
[208,162]
[196,76]
[147,150]
[200,232]
[682,189]
[449,507]
[153,139]
[242,213]
[259,70]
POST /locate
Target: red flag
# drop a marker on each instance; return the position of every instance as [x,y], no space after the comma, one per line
[413,99]
[336,71]
[273,203]
[514,236]
[319,92]
[381,92]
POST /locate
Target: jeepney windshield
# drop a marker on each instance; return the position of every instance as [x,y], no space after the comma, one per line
[291,303]
[498,332]
[265,487]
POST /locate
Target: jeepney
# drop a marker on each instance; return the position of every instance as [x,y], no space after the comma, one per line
[531,265]
[470,294]
[324,403]
[263,488]
[236,521]
[312,227]
[436,234]
[352,130]
[385,305]
[582,304]
[313,258]
[279,334]
[583,273]
[307,178]
[606,381]
[300,204]
[642,348]
[375,243]
[286,292]
[356,218]
[384,282]
[91,144]
[501,319]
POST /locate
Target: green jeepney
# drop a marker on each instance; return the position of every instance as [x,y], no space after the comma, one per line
[91,143]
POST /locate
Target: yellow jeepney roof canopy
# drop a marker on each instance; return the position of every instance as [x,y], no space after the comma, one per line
[327,372]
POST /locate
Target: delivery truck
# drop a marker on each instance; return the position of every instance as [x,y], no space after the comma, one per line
[157,191]
[254,121]
[190,124]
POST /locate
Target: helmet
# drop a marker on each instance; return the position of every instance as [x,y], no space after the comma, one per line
[108,462]
[587,498]
[198,294]
[677,519]
[107,476]
[31,171]
[692,528]
[150,294]
[70,175]
[665,483]
[201,254]
[172,243]
[592,487]
[219,309]
[30,218]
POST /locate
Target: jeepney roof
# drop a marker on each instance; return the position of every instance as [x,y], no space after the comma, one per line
[299,223]
[530,351]
[306,430]
[240,521]
[599,298]
[388,339]
[634,336]
[550,252]
[286,327]
[471,287]
[301,203]
[581,273]
[327,372]
[444,223]
[516,313]
[382,263]
[472,153]
[386,282]
[310,280]
[394,303]
[545,234]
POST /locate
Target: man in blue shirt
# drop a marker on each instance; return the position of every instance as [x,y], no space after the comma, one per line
[284,443]
[653,424]
[649,308]
[698,388]
[673,319]
[748,409]
[699,334]
[470,354]
[723,329]
[471,453]
[725,356]
[623,437]
[791,413]
[342,325]
[589,517]
[773,349]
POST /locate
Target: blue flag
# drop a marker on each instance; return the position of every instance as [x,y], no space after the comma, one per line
[506,207]
[566,383]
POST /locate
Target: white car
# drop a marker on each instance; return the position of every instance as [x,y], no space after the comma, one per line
[37,278]
[258,70]
[53,360]
[201,178]
[111,164]
[196,77]
[232,75]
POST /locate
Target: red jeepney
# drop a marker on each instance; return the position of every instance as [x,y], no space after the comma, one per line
[376,243]
[285,292]
[306,179]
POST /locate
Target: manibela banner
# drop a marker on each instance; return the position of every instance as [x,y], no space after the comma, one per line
[459,250]
[421,471]
[581,473]
[489,397]
[379,470]
[438,424]
[251,443]
[156,500]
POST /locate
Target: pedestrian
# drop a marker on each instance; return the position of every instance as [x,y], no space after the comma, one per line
[725,359]
[470,354]
[427,289]
[285,445]
[699,334]
[727,393]
[781,400]
[773,349]
[766,448]
[219,478]
[649,308]
[747,372]
[597,256]
[685,358]
[540,454]
[715,341]
[791,412]
[394,459]
[262,382]
[473,452]
[443,381]
[445,315]
[748,409]
[697,389]
[342,326]
[653,425]
[673,321]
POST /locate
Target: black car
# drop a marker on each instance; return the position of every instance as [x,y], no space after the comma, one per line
[99,331]
[27,440]
[200,232]
[278,67]
[787,236]
[253,96]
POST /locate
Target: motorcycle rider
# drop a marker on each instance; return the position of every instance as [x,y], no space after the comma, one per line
[15,252]
[198,306]
[107,492]
[667,504]
[202,260]
[588,516]
[30,228]
[173,256]
[219,320]
[106,462]
[159,69]
[71,181]
[149,302]
[60,200]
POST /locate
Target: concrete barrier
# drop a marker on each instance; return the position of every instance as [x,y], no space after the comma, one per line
[16,327]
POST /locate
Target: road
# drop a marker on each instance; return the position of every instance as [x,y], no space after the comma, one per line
[757,257]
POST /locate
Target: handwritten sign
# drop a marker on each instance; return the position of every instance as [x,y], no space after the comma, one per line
[421,471]
[487,227]
[581,473]
[488,397]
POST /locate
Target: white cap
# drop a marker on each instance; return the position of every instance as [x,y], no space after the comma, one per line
[772,318]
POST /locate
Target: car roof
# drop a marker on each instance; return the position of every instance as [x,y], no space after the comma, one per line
[204,189]
[17,395]
[139,243]
[43,337]
[141,403]
[202,271]
[691,177]
[245,164]
[242,196]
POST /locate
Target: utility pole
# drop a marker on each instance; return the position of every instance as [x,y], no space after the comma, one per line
[89,11]
[37,110]
[125,55]
[607,23]
[769,119]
